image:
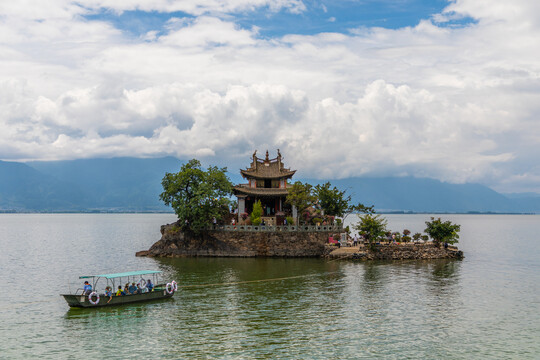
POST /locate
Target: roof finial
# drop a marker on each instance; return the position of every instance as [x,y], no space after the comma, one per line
[278,154]
[267,158]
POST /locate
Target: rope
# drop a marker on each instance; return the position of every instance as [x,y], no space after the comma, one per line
[254,281]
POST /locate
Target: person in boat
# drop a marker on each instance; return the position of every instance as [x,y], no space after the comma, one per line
[108,292]
[132,289]
[119,292]
[87,288]
[149,285]
[126,289]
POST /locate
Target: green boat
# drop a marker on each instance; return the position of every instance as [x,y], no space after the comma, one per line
[97,298]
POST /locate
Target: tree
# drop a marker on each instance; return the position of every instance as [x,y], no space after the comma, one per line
[301,196]
[197,196]
[372,228]
[332,201]
[256,213]
[442,231]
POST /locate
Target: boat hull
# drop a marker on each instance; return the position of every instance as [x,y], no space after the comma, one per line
[81,301]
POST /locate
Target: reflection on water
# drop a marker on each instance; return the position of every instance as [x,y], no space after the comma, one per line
[271,308]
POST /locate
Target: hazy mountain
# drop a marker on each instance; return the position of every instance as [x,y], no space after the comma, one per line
[132,184]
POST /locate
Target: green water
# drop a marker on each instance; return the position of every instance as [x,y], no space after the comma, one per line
[486,306]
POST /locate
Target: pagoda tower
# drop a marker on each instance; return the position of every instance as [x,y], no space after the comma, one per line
[267,182]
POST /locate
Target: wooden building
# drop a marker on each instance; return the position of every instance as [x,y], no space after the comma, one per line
[267,181]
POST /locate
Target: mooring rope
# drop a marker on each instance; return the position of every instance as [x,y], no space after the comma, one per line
[253,281]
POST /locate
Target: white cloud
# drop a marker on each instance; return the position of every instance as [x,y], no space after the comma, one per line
[457,104]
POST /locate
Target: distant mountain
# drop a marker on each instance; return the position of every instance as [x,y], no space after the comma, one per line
[24,188]
[119,183]
[429,195]
[132,184]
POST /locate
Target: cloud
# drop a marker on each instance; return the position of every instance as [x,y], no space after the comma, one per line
[453,103]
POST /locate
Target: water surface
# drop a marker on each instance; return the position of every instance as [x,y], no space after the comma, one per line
[485,306]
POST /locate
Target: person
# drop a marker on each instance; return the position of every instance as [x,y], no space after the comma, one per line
[214,222]
[108,292]
[126,289]
[149,285]
[87,290]
[132,289]
[355,240]
[284,221]
[119,292]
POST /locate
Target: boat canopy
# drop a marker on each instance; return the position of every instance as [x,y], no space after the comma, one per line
[124,274]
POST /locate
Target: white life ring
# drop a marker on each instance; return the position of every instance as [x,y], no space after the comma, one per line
[174,285]
[142,283]
[92,294]
[169,288]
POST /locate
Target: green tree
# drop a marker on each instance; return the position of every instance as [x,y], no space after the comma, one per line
[256,213]
[372,228]
[333,201]
[197,196]
[442,231]
[301,196]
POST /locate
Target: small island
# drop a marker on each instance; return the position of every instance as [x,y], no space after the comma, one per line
[273,218]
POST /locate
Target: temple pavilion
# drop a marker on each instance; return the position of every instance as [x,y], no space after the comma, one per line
[267,182]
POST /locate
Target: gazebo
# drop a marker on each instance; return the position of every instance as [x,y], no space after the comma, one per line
[267,182]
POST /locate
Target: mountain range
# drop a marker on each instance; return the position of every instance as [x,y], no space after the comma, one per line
[134,185]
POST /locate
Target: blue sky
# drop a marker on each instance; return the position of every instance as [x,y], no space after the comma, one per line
[448,90]
[318,17]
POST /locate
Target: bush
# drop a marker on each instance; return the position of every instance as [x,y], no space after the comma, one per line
[256,213]
[317,221]
[424,237]
[406,232]
[406,238]
[442,231]
[416,236]
[290,220]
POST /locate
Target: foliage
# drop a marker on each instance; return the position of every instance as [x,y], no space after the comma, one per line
[290,220]
[442,231]
[406,232]
[406,238]
[317,220]
[301,196]
[332,201]
[371,227]
[416,236]
[196,195]
[424,237]
[256,213]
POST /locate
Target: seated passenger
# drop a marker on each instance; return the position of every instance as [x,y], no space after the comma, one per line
[132,289]
[119,292]
[87,290]
[149,285]
[126,289]
[108,292]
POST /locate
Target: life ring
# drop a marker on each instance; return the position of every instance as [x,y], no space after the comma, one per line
[175,285]
[169,288]
[142,283]
[92,294]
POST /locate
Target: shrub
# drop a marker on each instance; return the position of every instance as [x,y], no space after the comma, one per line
[256,213]
[424,237]
[406,238]
[416,236]
[290,220]
[406,232]
[317,220]
[442,231]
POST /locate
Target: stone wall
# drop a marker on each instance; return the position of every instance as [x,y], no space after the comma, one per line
[408,252]
[176,243]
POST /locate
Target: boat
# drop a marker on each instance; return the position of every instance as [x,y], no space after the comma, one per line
[97,298]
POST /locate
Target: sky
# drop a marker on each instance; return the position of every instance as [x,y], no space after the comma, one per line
[448,90]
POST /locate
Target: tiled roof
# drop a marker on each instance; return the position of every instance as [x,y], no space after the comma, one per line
[244,189]
[267,168]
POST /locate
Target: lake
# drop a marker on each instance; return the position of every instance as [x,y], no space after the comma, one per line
[484,306]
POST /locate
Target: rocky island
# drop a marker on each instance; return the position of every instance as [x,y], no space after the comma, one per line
[272,218]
